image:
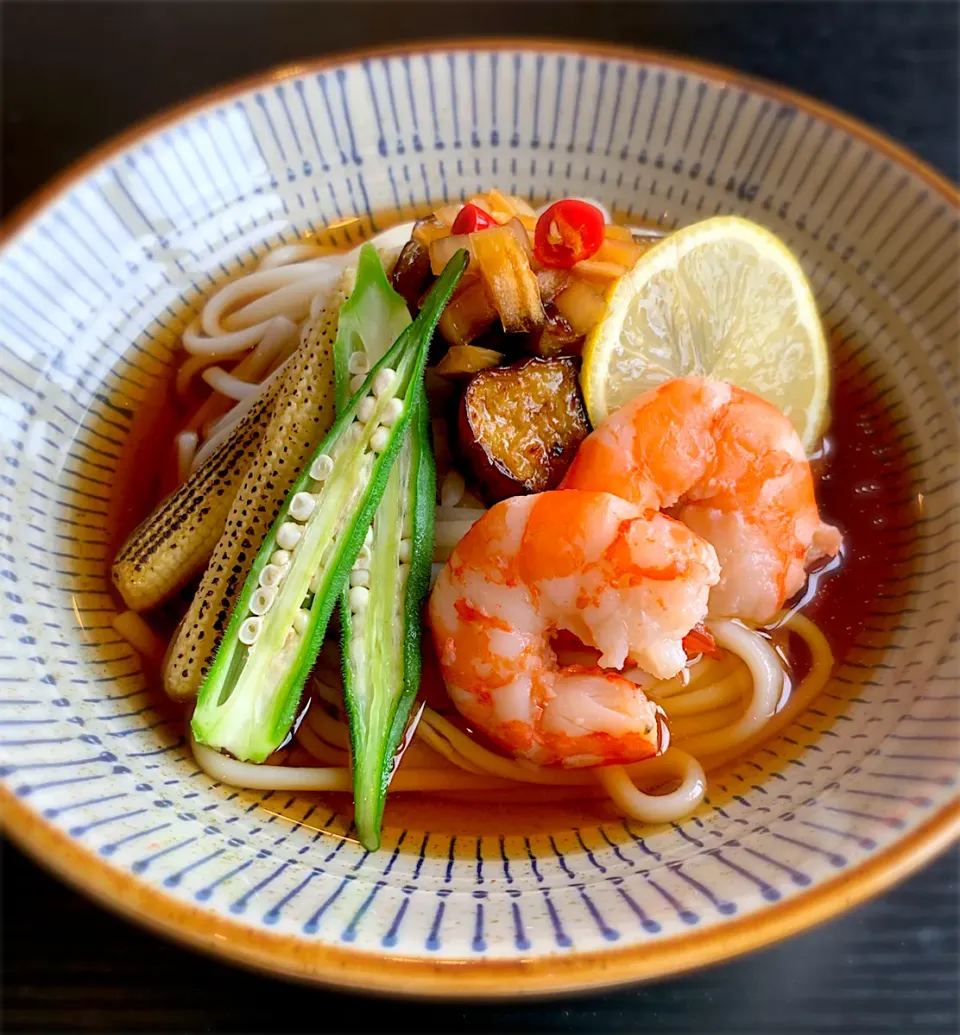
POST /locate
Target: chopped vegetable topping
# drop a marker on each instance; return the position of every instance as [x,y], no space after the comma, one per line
[470,219]
[568,232]
[509,281]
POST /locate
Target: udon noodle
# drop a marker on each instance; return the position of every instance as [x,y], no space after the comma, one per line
[237,346]
[715,710]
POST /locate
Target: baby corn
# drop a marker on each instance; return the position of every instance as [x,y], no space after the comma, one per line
[303,414]
[174,543]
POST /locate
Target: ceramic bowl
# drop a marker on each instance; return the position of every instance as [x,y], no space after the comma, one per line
[100,272]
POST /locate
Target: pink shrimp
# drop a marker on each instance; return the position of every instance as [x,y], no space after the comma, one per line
[733,469]
[629,583]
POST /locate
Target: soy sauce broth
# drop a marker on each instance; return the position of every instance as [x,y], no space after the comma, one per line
[863,486]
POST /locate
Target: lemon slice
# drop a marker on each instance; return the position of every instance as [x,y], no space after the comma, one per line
[725,298]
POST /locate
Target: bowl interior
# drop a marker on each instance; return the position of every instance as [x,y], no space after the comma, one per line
[98,285]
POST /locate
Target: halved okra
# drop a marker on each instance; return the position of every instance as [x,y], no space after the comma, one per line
[380,611]
[249,698]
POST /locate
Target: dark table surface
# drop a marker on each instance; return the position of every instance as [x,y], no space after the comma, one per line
[75,73]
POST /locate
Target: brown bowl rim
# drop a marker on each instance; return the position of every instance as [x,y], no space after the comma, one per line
[294,957]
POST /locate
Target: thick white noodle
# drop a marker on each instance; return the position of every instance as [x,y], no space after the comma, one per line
[685,727]
[239,293]
[279,336]
[186,451]
[767,674]
[278,296]
[334,733]
[480,769]
[280,333]
[280,289]
[233,415]
[292,253]
[657,808]
[452,488]
[292,301]
[226,384]
[228,770]
[388,241]
[288,282]
[458,513]
[135,629]
[221,346]
[319,748]
[725,691]
[192,366]
[221,429]
[447,534]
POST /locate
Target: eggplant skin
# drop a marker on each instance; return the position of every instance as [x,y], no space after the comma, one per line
[519,426]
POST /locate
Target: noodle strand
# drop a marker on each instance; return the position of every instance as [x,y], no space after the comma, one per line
[657,808]
[228,770]
[186,451]
[227,384]
[221,345]
[803,694]
[291,253]
[727,690]
[478,769]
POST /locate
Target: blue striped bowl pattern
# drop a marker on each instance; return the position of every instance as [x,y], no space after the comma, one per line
[97,285]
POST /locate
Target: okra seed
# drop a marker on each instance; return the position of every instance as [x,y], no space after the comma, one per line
[356,430]
[321,468]
[300,621]
[404,570]
[405,550]
[383,381]
[249,631]
[358,597]
[368,538]
[363,557]
[392,412]
[452,489]
[280,558]
[288,535]
[358,363]
[379,440]
[262,600]
[366,408]
[359,577]
[356,382]
[270,575]
[301,506]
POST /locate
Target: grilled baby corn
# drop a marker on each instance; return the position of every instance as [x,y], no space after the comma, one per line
[303,414]
[174,543]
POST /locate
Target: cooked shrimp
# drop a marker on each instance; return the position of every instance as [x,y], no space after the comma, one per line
[734,470]
[630,584]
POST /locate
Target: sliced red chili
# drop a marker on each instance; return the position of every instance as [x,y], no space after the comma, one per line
[567,232]
[700,641]
[470,219]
